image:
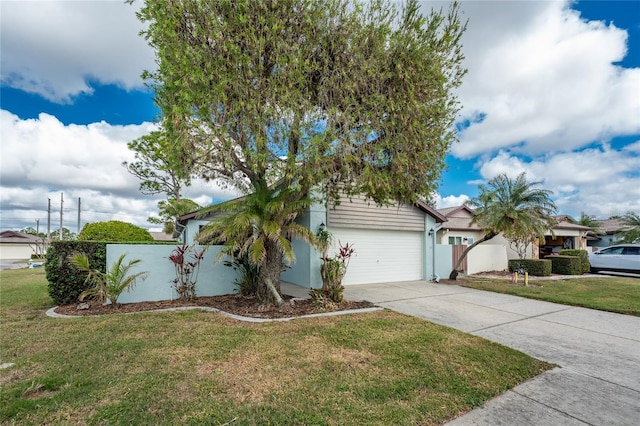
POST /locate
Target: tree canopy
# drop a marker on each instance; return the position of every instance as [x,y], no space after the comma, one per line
[347,97]
[162,165]
[115,231]
[169,210]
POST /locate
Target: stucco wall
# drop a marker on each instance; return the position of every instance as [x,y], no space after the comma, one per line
[16,251]
[444,263]
[487,257]
[214,278]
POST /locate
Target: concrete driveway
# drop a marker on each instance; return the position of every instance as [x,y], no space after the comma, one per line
[598,353]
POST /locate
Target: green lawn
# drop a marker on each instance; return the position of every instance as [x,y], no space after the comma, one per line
[196,367]
[606,293]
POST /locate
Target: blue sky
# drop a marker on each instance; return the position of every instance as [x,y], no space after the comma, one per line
[553,89]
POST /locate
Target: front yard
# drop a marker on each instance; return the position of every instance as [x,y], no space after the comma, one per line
[201,368]
[605,293]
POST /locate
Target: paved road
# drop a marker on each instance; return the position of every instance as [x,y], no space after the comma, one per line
[597,383]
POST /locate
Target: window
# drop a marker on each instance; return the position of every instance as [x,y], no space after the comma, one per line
[632,250]
[455,240]
[612,250]
[469,240]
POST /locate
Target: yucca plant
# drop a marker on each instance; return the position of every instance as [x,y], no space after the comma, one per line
[107,285]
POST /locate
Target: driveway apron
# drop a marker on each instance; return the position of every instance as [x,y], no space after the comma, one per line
[598,353]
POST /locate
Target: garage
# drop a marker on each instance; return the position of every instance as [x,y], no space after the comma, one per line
[389,241]
[382,255]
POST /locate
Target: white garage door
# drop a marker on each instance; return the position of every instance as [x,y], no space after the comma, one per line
[381,256]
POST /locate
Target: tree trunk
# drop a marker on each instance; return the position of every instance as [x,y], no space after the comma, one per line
[269,282]
[486,237]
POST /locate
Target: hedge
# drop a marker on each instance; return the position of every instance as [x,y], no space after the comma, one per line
[114,231]
[535,267]
[582,254]
[65,281]
[566,265]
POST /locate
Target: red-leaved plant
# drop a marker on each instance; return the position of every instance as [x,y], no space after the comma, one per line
[186,261]
[332,271]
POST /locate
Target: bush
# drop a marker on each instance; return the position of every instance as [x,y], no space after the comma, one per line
[566,265]
[535,267]
[66,282]
[114,231]
[582,254]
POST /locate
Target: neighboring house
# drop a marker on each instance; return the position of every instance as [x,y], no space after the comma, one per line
[394,243]
[493,255]
[458,232]
[609,227]
[17,245]
[567,235]
[162,237]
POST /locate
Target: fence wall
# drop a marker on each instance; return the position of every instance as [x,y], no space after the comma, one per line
[487,257]
[214,278]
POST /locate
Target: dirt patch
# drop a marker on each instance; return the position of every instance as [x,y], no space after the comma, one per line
[233,304]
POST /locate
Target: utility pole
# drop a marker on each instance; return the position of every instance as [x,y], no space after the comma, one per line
[49,219]
[78,231]
[37,226]
[61,208]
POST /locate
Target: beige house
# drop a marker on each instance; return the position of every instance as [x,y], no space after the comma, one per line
[17,245]
[493,255]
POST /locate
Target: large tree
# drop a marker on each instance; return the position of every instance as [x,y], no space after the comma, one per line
[346,97]
[169,210]
[514,207]
[162,165]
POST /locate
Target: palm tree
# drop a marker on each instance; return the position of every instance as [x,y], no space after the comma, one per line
[261,226]
[591,222]
[630,232]
[512,207]
[111,284]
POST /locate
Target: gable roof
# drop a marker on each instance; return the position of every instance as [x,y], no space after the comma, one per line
[459,218]
[14,237]
[564,223]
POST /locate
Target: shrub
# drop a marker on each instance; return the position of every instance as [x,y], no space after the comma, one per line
[114,231]
[107,285]
[249,274]
[535,267]
[582,254]
[66,282]
[186,261]
[332,272]
[566,265]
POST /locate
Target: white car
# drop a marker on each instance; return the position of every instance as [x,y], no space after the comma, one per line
[618,258]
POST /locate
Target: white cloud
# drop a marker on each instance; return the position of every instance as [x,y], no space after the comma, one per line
[450,200]
[598,181]
[43,157]
[543,79]
[52,47]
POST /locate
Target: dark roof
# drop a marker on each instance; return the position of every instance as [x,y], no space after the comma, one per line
[438,216]
[14,237]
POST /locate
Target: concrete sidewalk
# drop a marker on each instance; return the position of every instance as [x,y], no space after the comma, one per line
[598,353]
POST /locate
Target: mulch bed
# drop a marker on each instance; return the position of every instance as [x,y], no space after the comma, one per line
[233,304]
